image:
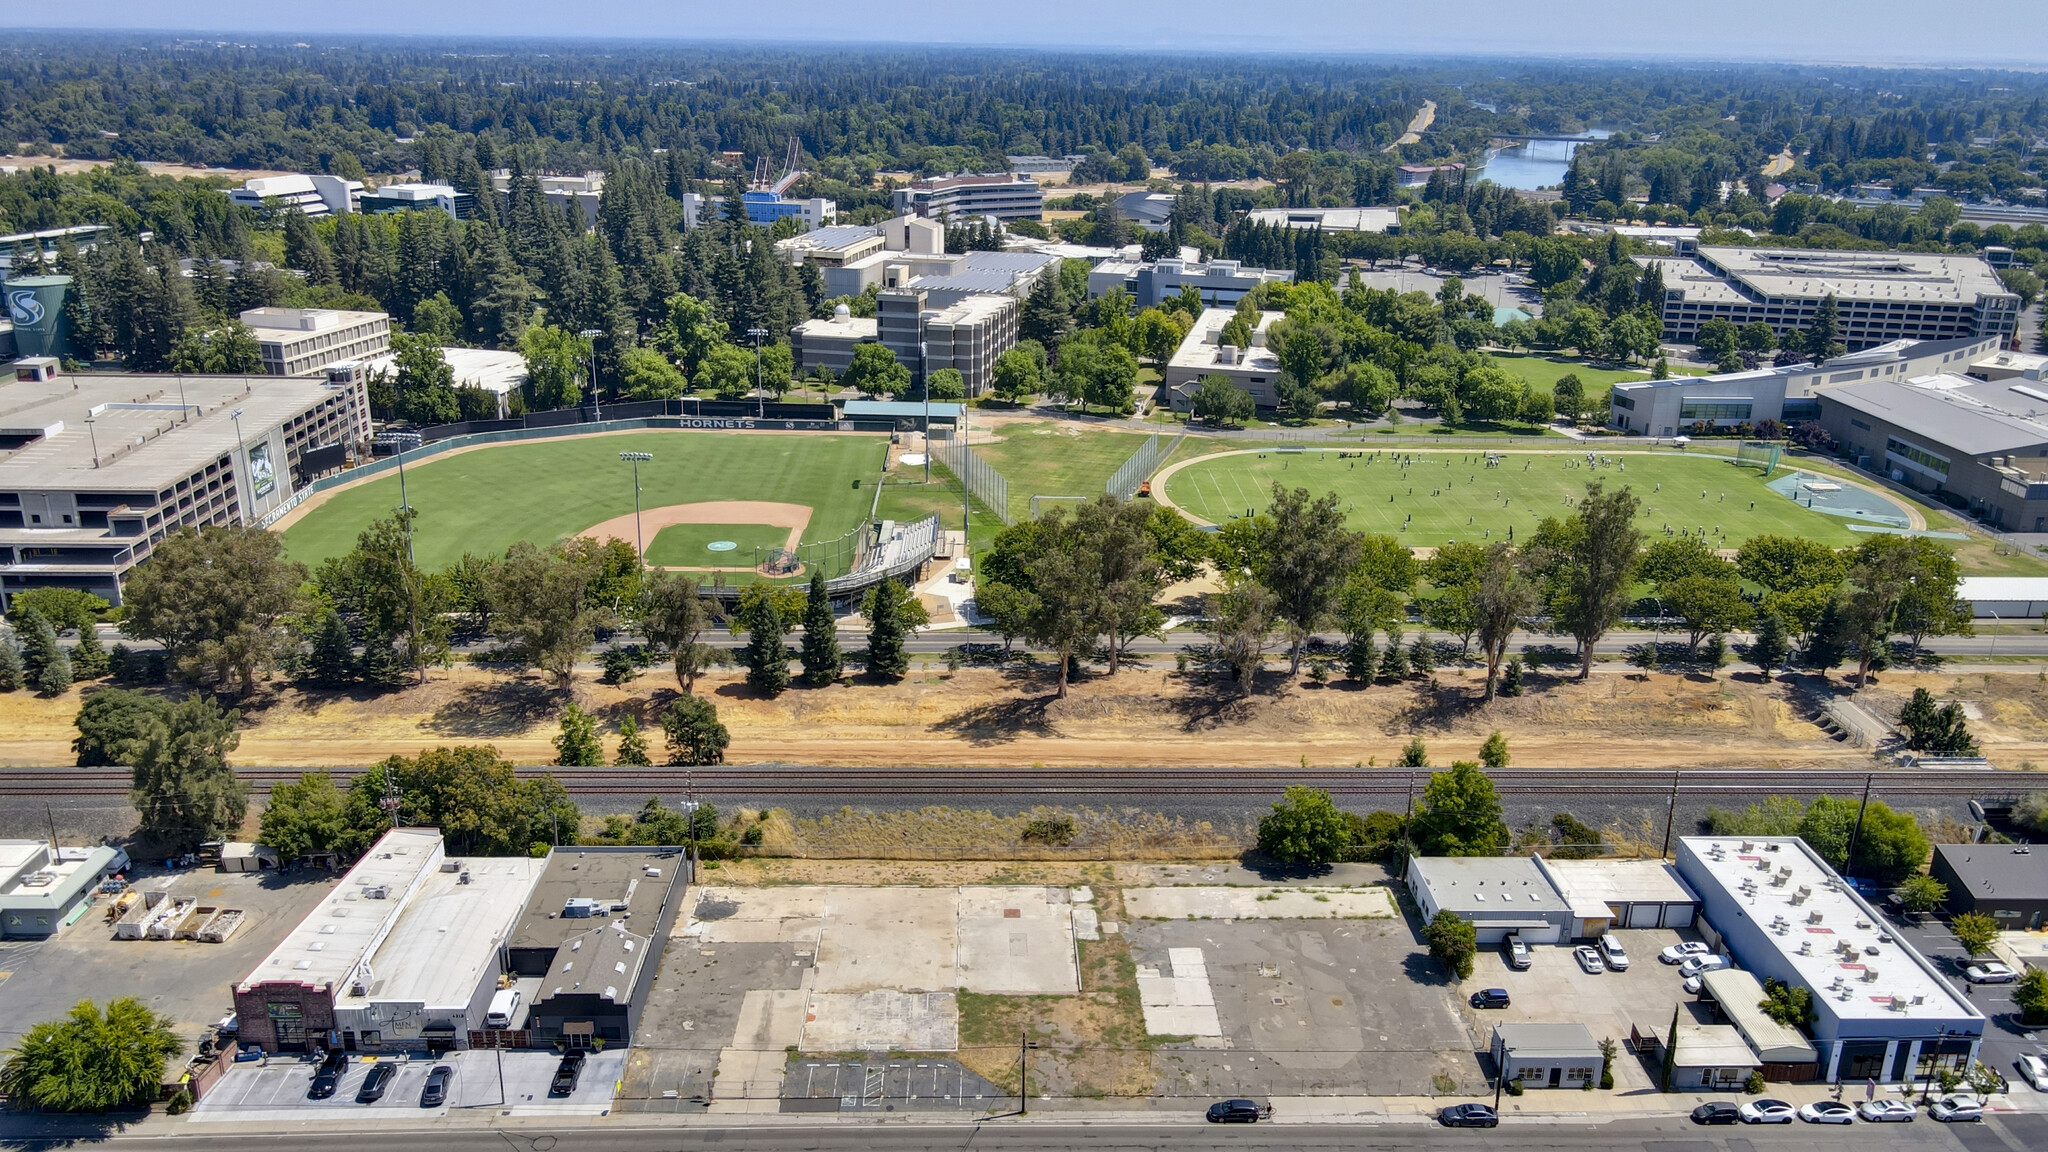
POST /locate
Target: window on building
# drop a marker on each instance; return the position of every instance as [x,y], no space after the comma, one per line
[1918,455]
[1714,410]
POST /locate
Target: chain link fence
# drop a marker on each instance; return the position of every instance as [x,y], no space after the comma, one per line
[983,482]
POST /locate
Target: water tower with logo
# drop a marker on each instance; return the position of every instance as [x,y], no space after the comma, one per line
[36,305]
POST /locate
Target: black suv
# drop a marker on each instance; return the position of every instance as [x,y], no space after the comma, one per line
[1235,1112]
[1490,998]
[328,1077]
[566,1075]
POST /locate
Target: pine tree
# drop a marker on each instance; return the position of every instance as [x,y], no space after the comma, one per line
[886,658]
[766,656]
[333,661]
[10,665]
[55,676]
[382,667]
[1359,657]
[822,663]
[88,658]
[1394,664]
[1768,650]
[38,646]
[577,745]
[632,745]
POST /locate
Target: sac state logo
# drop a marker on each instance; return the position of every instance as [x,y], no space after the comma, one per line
[24,309]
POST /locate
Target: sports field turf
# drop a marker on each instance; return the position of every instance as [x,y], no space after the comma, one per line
[1056,459]
[689,545]
[485,499]
[1452,495]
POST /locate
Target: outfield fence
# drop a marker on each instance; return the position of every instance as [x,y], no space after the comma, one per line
[983,482]
[1139,468]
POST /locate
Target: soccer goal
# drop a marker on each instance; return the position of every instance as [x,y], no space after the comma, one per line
[1040,503]
[1759,454]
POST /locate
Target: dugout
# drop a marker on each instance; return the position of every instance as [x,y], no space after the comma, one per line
[906,415]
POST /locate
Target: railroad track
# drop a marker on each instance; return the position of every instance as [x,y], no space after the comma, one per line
[824,782]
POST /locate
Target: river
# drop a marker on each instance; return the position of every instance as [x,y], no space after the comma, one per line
[1535,164]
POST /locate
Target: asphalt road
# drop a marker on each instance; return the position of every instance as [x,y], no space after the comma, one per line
[2005,1133]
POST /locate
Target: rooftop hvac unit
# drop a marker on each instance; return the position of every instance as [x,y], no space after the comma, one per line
[377,892]
[1815,916]
[1870,975]
[464,878]
[1748,846]
[451,865]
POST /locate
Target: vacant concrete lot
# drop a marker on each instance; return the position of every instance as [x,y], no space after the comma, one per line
[1555,990]
[183,979]
[1313,1007]
[1259,903]
[275,1089]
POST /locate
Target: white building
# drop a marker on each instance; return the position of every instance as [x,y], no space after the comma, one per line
[41,885]
[417,198]
[1202,353]
[1151,211]
[1330,219]
[499,373]
[585,192]
[1881,1011]
[1495,894]
[1003,195]
[314,195]
[1606,894]
[1222,283]
[304,341]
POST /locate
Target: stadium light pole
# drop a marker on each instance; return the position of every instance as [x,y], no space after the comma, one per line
[924,369]
[637,459]
[591,335]
[89,421]
[760,397]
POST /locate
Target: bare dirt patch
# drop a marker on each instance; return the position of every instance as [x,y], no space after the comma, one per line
[795,517]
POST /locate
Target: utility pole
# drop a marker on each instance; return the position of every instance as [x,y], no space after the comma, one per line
[1024,1047]
[638,458]
[591,335]
[1856,833]
[1670,813]
[760,396]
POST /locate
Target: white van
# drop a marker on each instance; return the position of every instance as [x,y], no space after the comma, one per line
[504,1006]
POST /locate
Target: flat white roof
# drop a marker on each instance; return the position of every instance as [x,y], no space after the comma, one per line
[1488,884]
[1619,881]
[349,923]
[1712,1046]
[1823,931]
[2002,588]
[1330,219]
[1740,995]
[484,368]
[450,933]
[1200,349]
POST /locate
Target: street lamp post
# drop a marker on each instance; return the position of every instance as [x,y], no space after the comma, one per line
[638,458]
[1996,620]
[591,334]
[95,441]
[1500,1077]
[760,395]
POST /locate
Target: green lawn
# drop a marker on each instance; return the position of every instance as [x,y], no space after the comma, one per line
[1452,495]
[483,500]
[690,545]
[1543,371]
[905,498]
[1057,459]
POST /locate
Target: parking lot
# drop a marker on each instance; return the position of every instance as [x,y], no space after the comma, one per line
[1555,990]
[275,1089]
[2005,1040]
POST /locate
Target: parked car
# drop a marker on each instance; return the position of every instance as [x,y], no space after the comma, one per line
[1679,953]
[1235,1112]
[1490,998]
[328,1077]
[1827,1112]
[1694,985]
[1886,1111]
[2034,1071]
[1716,1112]
[435,1093]
[1516,952]
[1613,953]
[1956,1109]
[1468,1116]
[1990,972]
[566,1075]
[375,1083]
[1766,1112]
[1589,959]
[1699,964]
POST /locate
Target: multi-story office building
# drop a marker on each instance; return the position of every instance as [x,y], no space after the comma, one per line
[1222,283]
[830,343]
[763,207]
[1003,195]
[967,334]
[585,192]
[1202,353]
[1879,296]
[417,198]
[95,471]
[26,248]
[315,195]
[305,341]
[1980,445]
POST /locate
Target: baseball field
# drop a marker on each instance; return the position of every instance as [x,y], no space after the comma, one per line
[1426,497]
[701,489]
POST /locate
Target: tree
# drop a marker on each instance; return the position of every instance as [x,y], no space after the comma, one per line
[1453,943]
[1883,571]
[766,657]
[67,609]
[184,792]
[380,587]
[424,381]
[1823,336]
[1241,622]
[1494,753]
[1707,604]
[92,1061]
[44,664]
[892,613]
[1304,828]
[1305,559]
[110,722]
[2030,995]
[1939,730]
[694,734]
[1063,608]
[217,600]
[729,372]
[632,745]
[1413,754]
[648,375]
[821,660]
[1590,561]
[1461,814]
[577,744]
[1975,931]
[1569,395]
[1768,650]
[481,804]
[10,664]
[1218,400]
[555,361]
[539,605]
[1016,376]
[875,372]
[1500,605]
[1920,894]
[947,384]
[673,617]
[226,349]
[305,816]
[1788,1004]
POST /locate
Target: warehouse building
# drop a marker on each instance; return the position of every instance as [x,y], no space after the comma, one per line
[1979,446]
[592,932]
[2006,882]
[44,887]
[1787,393]
[1495,894]
[1879,296]
[1609,894]
[1329,219]
[1881,1011]
[96,470]
[403,955]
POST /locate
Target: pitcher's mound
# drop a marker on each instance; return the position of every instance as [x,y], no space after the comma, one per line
[792,518]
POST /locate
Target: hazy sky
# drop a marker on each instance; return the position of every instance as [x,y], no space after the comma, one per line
[1935,31]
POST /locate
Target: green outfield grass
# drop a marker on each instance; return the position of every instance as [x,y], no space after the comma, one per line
[1058,459]
[483,500]
[1468,501]
[689,545]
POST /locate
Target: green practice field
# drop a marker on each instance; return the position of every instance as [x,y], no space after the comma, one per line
[484,499]
[1452,495]
[1054,459]
[689,545]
